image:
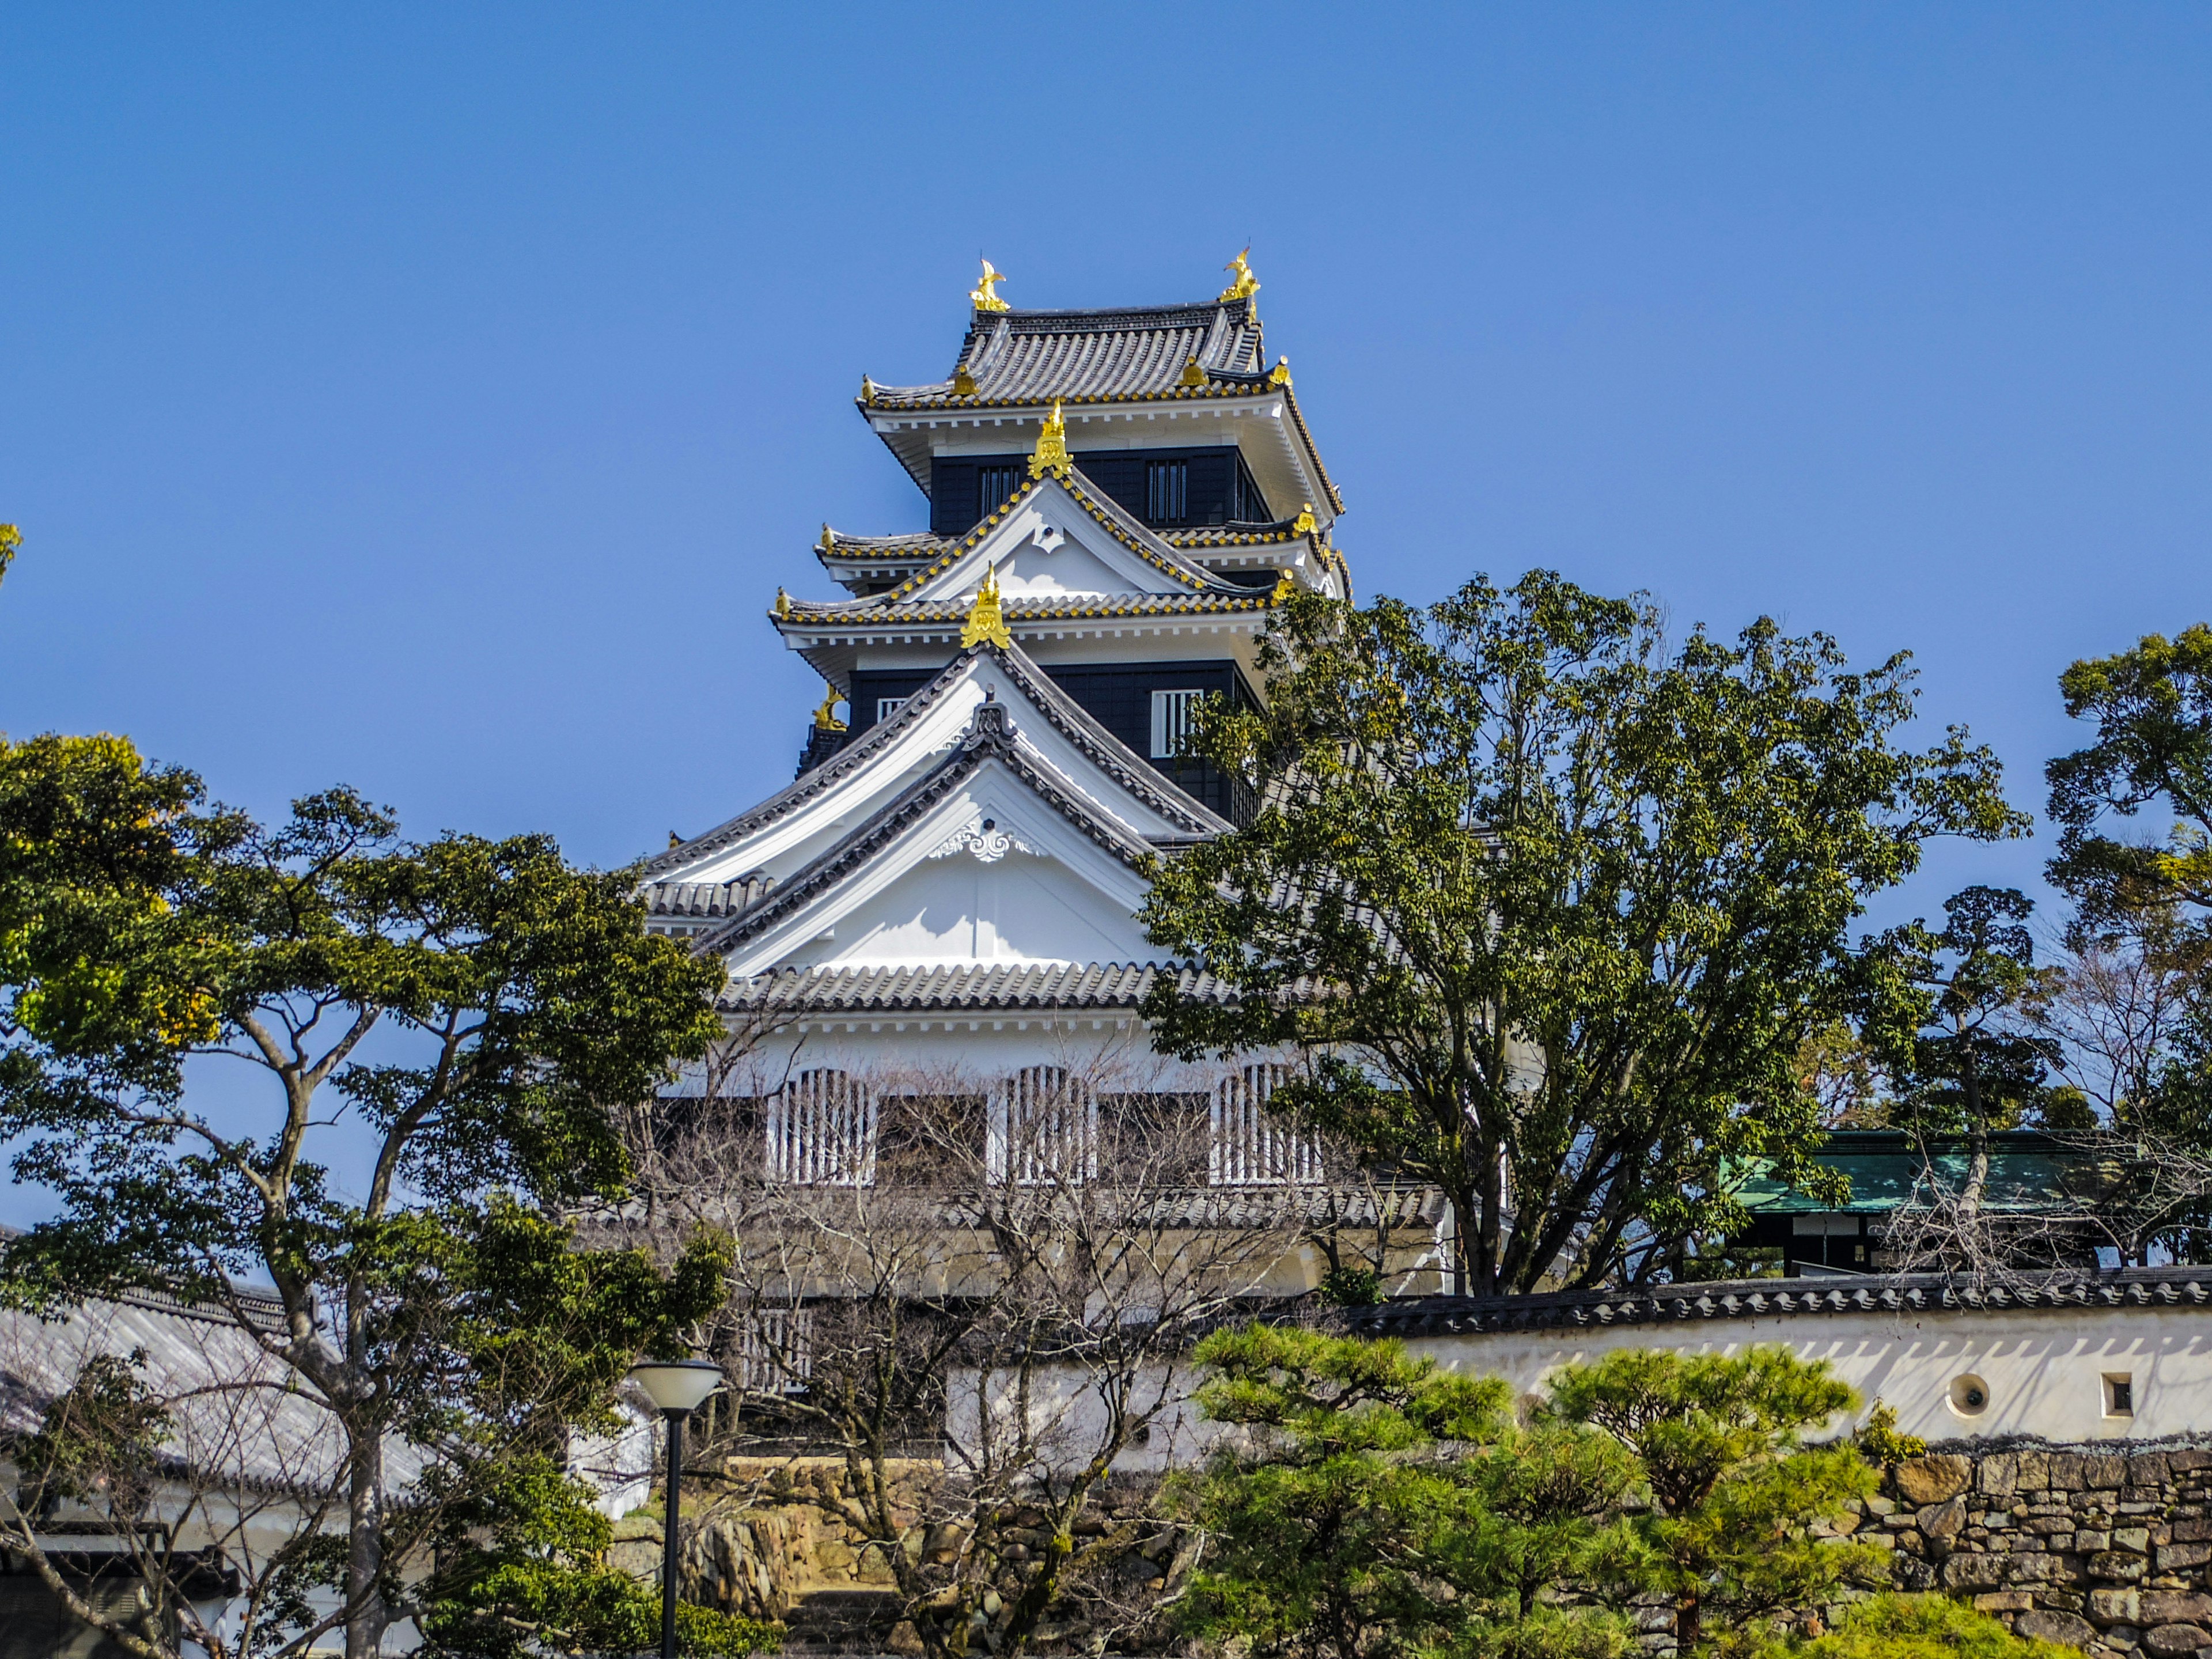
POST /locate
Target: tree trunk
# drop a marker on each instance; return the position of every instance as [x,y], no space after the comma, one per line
[1977,1149]
[364,1616]
[1688,1627]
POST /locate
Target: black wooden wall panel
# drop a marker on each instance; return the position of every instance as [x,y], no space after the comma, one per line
[1215,496]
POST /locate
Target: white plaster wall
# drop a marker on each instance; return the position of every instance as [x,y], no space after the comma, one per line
[969,1053]
[959,910]
[2043,1369]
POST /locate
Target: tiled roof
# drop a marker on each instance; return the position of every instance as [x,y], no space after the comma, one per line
[1315,1205]
[1120,356]
[1031,356]
[1068,717]
[1233,535]
[1768,1298]
[711,900]
[870,612]
[1013,985]
[881,549]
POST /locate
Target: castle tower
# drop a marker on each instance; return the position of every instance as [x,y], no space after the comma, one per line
[1117,501]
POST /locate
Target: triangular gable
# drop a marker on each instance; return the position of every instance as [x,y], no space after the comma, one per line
[1051,879]
[1049,547]
[1055,734]
[1058,536]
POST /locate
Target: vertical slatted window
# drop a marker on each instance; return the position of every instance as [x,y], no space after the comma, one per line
[776,1349]
[887,707]
[1171,721]
[822,1132]
[1044,1130]
[1167,491]
[994,488]
[1252,1147]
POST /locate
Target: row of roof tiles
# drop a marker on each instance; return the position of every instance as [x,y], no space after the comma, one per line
[1163,353]
[1042,985]
[1029,356]
[1748,1298]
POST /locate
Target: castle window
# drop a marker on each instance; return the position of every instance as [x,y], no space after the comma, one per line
[887,707]
[1171,721]
[1167,491]
[775,1350]
[822,1132]
[1253,1147]
[994,488]
[2119,1394]
[1044,1130]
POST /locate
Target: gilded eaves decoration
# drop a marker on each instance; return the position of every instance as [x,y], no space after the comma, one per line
[986,620]
[1051,455]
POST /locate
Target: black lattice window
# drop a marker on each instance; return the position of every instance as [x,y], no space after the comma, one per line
[1167,491]
[994,488]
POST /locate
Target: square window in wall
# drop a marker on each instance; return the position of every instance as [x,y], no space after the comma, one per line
[887,707]
[1171,720]
[2119,1394]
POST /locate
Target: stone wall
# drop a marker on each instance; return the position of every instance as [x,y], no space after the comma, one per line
[762,1548]
[2102,1548]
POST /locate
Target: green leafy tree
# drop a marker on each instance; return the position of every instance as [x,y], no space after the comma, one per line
[526,1573]
[1968,1061]
[2138,1000]
[1553,909]
[1736,1495]
[440,1301]
[2153,709]
[1922,1627]
[10,539]
[1372,1506]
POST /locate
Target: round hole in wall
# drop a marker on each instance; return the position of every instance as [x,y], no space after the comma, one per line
[1970,1395]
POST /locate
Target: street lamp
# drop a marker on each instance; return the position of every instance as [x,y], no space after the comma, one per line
[677,1387]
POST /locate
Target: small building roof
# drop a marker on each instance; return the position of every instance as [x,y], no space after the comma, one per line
[2030,1173]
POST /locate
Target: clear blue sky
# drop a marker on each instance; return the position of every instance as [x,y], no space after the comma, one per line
[432,397]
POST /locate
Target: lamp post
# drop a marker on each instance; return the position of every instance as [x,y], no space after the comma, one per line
[677,1387]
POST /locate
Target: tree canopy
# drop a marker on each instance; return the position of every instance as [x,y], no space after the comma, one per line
[1550,908]
[474,1006]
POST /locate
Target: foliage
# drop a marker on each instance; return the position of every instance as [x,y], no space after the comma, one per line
[1963,1059]
[2140,986]
[1735,1496]
[10,539]
[99,1441]
[1375,1506]
[1578,901]
[1921,1627]
[513,999]
[1880,1439]
[527,1573]
[2153,709]
[1350,1287]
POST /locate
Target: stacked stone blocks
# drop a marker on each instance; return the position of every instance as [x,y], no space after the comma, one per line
[2101,1547]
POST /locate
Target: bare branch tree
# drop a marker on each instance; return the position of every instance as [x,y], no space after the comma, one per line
[963,1310]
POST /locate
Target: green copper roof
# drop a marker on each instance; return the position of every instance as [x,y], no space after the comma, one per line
[2029,1172]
